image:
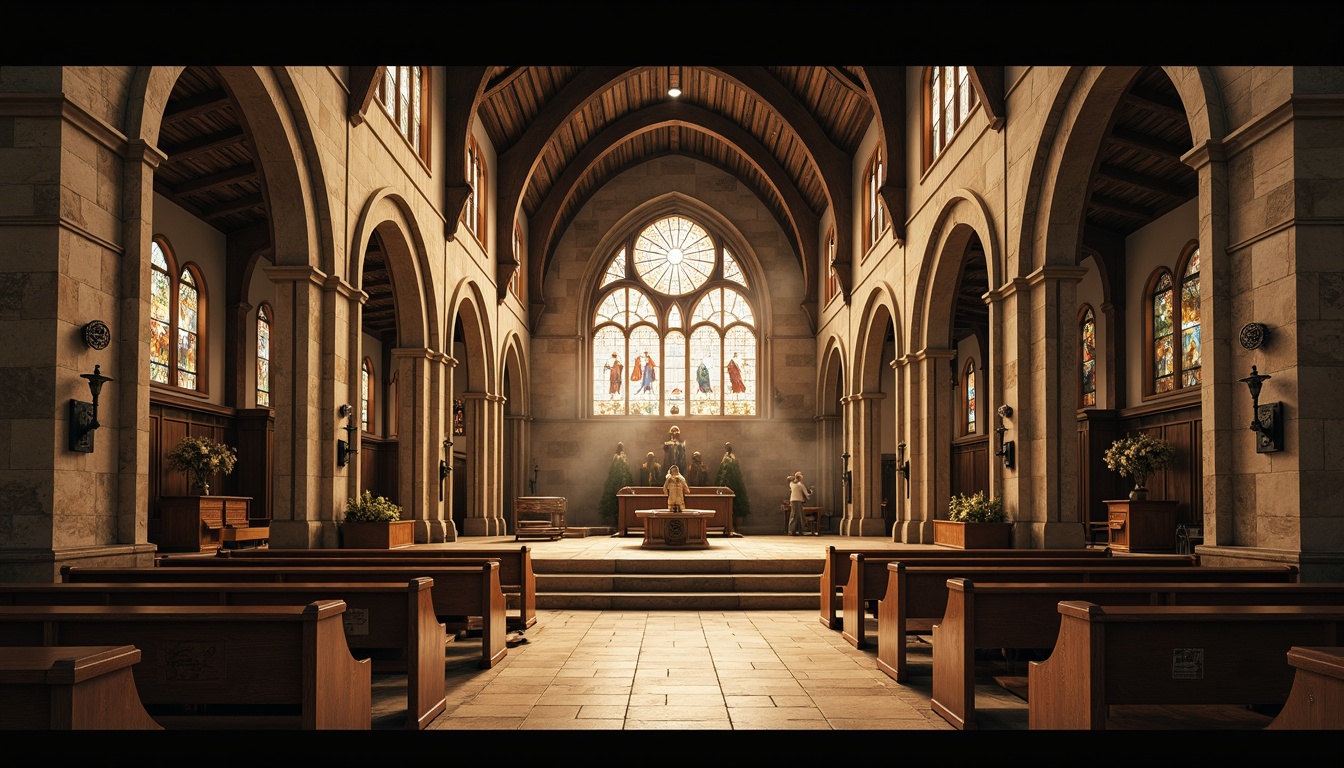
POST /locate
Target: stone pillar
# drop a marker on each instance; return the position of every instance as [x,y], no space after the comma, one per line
[830,493]
[1047,415]
[865,516]
[905,526]
[433,526]
[1009,340]
[484,512]
[302,512]
[517,460]
[929,418]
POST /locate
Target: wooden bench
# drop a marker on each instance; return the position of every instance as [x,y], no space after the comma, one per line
[1026,615]
[868,580]
[71,688]
[516,576]
[1316,701]
[1170,654]
[835,567]
[539,517]
[253,536]
[220,666]
[916,597]
[458,592]
[391,624]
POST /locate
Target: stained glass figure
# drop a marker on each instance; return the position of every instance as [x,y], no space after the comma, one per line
[160,326]
[970,398]
[1190,343]
[188,341]
[263,356]
[1163,351]
[1088,356]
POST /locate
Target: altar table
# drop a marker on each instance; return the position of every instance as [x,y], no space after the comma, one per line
[665,529]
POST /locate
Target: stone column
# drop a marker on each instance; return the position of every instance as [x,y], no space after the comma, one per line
[484,512]
[905,527]
[930,417]
[866,514]
[417,457]
[1047,414]
[433,527]
[302,511]
[830,493]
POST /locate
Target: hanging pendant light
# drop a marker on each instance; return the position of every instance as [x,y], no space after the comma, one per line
[674,82]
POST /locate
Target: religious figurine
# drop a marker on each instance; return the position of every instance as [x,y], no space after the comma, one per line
[698,474]
[618,477]
[676,488]
[674,450]
[651,472]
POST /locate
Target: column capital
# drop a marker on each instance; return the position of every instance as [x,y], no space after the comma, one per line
[337,284]
[295,274]
[931,354]
[1008,288]
[419,353]
[1056,273]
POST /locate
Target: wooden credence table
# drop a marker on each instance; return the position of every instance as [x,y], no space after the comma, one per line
[665,529]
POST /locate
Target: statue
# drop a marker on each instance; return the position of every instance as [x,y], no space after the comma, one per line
[651,472]
[618,477]
[697,474]
[730,475]
[674,450]
[676,489]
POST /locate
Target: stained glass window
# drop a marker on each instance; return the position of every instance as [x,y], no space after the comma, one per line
[674,331]
[473,213]
[950,99]
[832,279]
[874,215]
[366,396]
[969,378]
[176,304]
[1164,366]
[1087,332]
[264,355]
[518,256]
[1190,344]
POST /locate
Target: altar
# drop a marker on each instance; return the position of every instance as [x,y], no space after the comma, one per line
[665,529]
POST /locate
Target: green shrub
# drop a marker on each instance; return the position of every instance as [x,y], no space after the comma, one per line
[976,509]
[368,509]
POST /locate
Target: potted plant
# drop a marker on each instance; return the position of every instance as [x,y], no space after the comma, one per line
[373,522]
[201,458]
[974,522]
[1138,457]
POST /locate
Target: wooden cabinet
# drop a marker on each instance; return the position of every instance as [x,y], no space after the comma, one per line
[1142,526]
[194,523]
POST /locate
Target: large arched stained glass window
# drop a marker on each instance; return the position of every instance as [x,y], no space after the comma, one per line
[177,321]
[674,330]
[1177,351]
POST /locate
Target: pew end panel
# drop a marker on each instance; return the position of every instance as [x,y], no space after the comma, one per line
[71,688]
[1316,701]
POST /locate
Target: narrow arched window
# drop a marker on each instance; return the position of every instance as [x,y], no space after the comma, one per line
[968,381]
[264,355]
[366,396]
[404,94]
[473,214]
[674,328]
[1174,323]
[949,98]
[177,321]
[874,215]
[832,279]
[1087,358]
[518,256]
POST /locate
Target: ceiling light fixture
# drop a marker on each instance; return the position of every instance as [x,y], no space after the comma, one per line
[674,82]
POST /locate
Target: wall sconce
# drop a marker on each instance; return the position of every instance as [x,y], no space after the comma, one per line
[84,416]
[344,448]
[1006,449]
[847,478]
[903,466]
[444,466]
[536,468]
[1267,419]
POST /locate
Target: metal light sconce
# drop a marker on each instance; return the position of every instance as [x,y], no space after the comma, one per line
[1008,449]
[1267,419]
[847,478]
[84,416]
[444,466]
[536,468]
[345,448]
[903,466]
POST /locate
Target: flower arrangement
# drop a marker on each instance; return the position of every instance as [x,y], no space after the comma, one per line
[1139,456]
[201,457]
[976,509]
[370,509]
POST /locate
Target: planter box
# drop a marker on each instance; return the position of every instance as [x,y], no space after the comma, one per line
[399,533]
[973,535]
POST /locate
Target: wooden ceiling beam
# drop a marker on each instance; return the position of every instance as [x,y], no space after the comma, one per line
[847,80]
[204,103]
[1149,144]
[1144,182]
[1120,207]
[204,144]
[363,85]
[229,207]
[1157,103]
[235,175]
[988,83]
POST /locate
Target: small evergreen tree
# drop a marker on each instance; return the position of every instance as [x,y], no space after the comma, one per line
[618,477]
[730,475]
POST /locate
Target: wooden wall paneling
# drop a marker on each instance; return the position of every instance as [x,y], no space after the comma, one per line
[970,466]
[255,441]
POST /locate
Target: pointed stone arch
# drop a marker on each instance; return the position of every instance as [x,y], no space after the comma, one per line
[469,321]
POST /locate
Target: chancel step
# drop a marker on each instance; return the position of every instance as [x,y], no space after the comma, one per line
[678,582]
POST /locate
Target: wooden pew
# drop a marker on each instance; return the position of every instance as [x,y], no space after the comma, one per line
[1026,615]
[516,576]
[220,666]
[458,592]
[1316,701]
[1170,654]
[916,597]
[392,624]
[867,582]
[835,567]
[71,688]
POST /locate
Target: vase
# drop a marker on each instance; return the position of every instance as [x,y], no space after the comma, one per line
[1140,492]
[201,486]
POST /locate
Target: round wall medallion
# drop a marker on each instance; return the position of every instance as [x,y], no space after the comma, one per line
[1253,335]
[97,335]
